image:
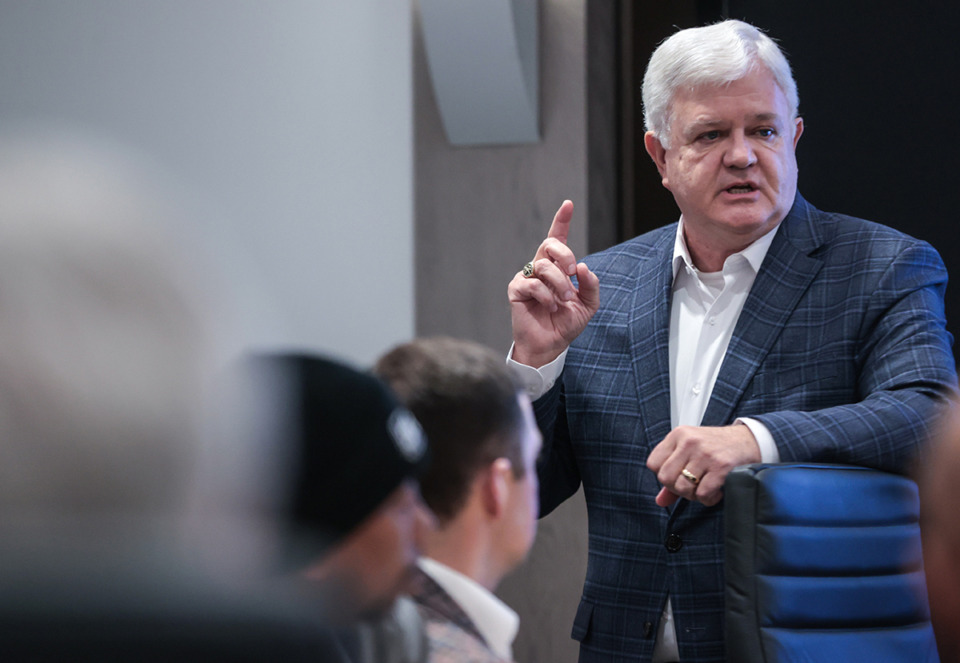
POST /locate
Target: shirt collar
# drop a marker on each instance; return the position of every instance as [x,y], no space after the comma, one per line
[753,254]
[496,621]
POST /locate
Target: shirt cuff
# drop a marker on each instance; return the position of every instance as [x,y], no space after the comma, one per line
[536,381]
[768,448]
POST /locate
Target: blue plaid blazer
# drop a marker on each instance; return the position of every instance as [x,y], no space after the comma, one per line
[841,351]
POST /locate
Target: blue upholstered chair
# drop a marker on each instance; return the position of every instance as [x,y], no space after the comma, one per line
[823,563]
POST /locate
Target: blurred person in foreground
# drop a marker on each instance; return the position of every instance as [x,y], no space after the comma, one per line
[481,484]
[940,531]
[354,505]
[108,365]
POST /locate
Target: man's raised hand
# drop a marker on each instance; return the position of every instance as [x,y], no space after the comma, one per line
[547,310]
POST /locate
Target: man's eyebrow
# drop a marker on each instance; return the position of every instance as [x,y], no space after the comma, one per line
[767,117]
[704,123]
[709,123]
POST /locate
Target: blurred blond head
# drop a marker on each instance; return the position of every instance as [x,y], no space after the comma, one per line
[106,336]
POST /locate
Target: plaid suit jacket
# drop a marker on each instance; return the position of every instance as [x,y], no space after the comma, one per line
[841,351]
[453,637]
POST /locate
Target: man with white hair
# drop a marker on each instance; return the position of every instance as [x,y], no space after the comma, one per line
[757,328]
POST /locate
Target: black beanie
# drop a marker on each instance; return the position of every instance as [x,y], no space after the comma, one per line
[354,444]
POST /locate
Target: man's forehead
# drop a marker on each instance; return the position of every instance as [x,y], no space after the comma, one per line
[712,120]
[757,82]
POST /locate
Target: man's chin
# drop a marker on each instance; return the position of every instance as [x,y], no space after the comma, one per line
[750,221]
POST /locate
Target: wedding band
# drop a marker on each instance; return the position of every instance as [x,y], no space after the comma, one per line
[527,270]
[690,476]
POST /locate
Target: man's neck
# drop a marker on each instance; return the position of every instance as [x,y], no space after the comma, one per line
[709,254]
[708,257]
[465,550]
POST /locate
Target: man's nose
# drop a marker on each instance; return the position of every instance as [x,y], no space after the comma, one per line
[739,152]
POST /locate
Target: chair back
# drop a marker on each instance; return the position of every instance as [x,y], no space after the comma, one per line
[823,563]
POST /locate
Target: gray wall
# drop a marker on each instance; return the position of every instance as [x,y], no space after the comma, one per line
[292,122]
[481,212]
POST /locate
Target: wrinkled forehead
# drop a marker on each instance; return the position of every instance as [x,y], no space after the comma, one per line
[756,95]
[758,83]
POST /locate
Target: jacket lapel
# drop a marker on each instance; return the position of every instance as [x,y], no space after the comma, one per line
[650,340]
[784,276]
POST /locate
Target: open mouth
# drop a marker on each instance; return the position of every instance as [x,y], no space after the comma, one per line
[741,188]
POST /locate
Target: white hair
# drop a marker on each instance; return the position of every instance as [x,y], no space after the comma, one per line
[712,55]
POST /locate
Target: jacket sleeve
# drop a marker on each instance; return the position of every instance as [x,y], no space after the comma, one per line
[906,373]
[557,465]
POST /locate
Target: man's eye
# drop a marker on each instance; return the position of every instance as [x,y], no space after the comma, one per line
[766,132]
[710,135]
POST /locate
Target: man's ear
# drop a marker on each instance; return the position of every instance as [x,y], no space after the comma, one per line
[658,153]
[798,129]
[496,487]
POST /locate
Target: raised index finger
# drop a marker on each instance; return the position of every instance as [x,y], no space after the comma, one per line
[560,227]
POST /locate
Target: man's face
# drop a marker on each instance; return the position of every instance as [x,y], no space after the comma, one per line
[731,165]
[375,563]
[524,506]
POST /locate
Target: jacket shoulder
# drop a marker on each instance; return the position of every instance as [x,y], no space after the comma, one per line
[846,237]
[622,259]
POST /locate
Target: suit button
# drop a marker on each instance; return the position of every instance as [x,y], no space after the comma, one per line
[648,629]
[674,542]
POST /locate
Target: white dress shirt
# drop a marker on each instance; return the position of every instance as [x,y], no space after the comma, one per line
[703,314]
[496,621]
